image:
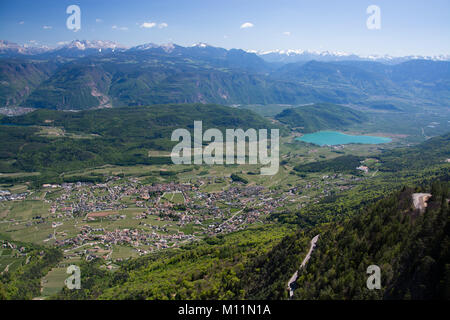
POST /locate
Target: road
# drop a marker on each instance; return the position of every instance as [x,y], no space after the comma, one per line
[290,285]
[80,246]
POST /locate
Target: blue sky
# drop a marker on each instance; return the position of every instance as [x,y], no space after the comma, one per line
[407,27]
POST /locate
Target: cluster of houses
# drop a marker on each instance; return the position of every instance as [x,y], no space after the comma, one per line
[133,237]
[364,169]
[5,244]
[226,210]
[198,212]
[5,195]
[78,199]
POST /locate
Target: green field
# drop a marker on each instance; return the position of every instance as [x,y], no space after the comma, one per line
[123,252]
[21,210]
[53,282]
[173,197]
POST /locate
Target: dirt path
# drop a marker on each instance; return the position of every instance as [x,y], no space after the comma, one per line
[7,268]
[290,285]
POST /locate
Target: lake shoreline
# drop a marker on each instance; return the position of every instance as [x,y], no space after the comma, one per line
[333,138]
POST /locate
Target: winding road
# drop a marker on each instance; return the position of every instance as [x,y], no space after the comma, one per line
[290,285]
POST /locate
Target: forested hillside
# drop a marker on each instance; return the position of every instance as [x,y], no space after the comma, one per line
[19,78]
[433,151]
[411,248]
[107,136]
[25,282]
[320,116]
[149,74]
[73,86]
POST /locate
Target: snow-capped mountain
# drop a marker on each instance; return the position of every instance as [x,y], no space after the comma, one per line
[11,48]
[169,47]
[81,48]
[291,56]
[201,45]
[76,48]
[91,44]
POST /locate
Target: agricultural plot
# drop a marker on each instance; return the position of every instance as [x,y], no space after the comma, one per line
[173,197]
[53,282]
[123,252]
[25,209]
[10,262]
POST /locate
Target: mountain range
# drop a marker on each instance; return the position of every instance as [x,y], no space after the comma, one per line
[98,74]
[87,47]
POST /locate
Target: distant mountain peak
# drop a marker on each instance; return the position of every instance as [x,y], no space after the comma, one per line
[201,45]
[168,47]
[146,46]
[8,47]
[92,44]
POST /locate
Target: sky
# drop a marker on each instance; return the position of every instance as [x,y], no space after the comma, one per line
[406,27]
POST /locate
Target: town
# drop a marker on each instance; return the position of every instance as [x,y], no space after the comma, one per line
[125,217]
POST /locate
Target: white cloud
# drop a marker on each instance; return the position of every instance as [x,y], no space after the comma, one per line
[247,25]
[47,27]
[148,25]
[98,20]
[287,33]
[21,22]
[114,27]
[61,43]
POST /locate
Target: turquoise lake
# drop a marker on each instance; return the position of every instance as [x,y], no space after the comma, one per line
[332,138]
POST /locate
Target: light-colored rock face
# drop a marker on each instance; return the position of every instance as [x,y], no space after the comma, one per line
[420,200]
